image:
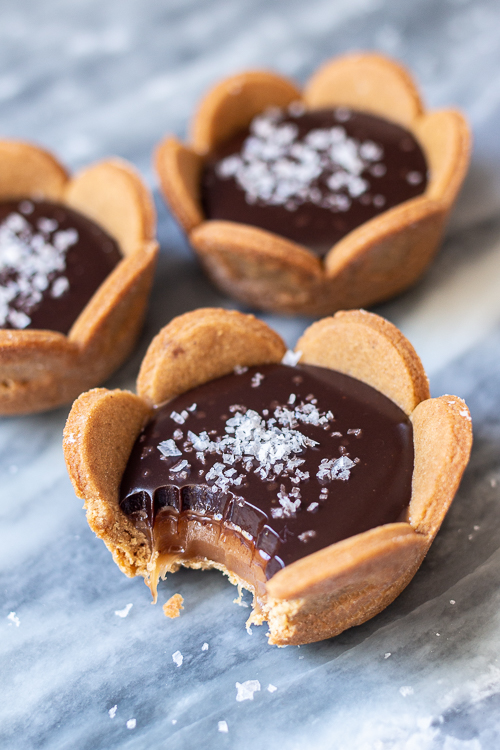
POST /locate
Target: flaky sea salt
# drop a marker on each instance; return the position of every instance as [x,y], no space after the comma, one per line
[179,418]
[177,658]
[272,688]
[291,358]
[31,263]
[204,647]
[246,690]
[112,712]
[257,380]
[335,468]
[180,466]
[406,690]
[307,535]
[278,167]
[123,612]
[169,448]
[14,619]
[223,727]
[131,724]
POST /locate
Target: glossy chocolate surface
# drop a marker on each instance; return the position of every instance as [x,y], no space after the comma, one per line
[52,260]
[312,177]
[324,457]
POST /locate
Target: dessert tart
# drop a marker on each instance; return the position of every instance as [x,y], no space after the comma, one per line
[309,202]
[77,257]
[317,479]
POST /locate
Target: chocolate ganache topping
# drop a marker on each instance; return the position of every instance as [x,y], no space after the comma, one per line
[52,260]
[264,466]
[313,176]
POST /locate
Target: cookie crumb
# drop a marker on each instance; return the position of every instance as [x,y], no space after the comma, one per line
[222,725]
[173,607]
[123,612]
[177,658]
[112,712]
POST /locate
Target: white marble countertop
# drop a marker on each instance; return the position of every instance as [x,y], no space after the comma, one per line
[92,78]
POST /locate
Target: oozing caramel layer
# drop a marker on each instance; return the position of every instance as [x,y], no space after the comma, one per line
[258,469]
[52,260]
[313,176]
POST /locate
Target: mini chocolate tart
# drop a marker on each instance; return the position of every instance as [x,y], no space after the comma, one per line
[312,177]
[309,202]
[52,260]
[317,485]
[77,258]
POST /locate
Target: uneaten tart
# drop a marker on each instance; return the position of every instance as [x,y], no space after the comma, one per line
[162,489]
[79,340]
[373,261]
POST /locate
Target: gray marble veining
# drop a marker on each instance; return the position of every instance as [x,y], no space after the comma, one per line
[91,78]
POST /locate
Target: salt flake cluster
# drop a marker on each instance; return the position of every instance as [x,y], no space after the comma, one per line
[276,167]
[31,263]
[269,446]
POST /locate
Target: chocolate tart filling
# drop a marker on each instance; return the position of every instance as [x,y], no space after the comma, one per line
[262,467]
[312,176]
[52,260]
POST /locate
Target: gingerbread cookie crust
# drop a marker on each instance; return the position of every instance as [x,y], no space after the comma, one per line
[373,262]
[343,584]
[41,369]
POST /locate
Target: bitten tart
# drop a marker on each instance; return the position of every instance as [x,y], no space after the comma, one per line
[310,202]
[317,479]
[77,257]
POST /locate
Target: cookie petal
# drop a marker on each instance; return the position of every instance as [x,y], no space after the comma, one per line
[442,433]
[179,170]
[367,82]
[342,585]
[30,172]
[263,268]
[385,255]
[99,434]
[113,195]
[31,363]
[107,328]
[230,106]
[203,345]
[446,140]
[369,348]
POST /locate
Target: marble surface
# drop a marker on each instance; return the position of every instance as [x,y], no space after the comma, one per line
[92,78]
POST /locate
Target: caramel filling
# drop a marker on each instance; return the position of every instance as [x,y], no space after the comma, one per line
[313,176]
[262,467]
[52,260]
